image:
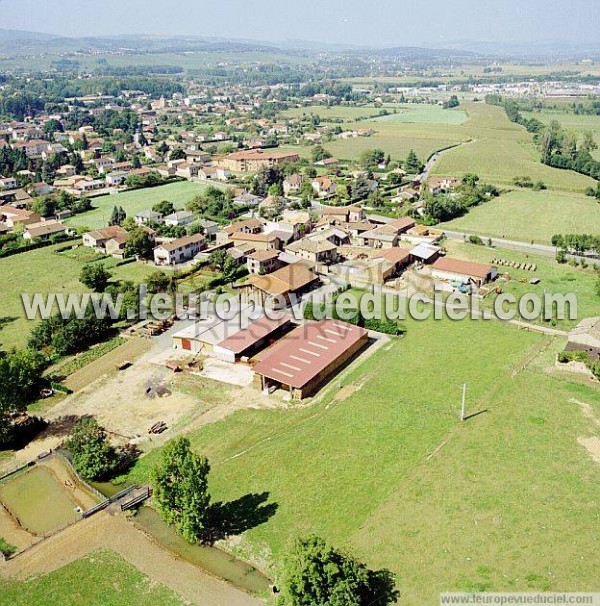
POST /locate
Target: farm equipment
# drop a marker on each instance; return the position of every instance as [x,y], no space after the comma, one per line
[174,366]
[124,365]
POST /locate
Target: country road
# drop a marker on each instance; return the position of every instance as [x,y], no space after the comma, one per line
[524,247]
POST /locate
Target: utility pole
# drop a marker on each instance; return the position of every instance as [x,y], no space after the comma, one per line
[464,400]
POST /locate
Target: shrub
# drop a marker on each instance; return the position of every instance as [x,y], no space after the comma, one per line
[6,549]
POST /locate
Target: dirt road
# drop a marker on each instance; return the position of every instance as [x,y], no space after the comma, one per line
[115,533]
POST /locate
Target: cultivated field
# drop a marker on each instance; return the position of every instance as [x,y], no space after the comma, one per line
[501,150]
[43,271]
[526,215]
[389,471]
[135,201]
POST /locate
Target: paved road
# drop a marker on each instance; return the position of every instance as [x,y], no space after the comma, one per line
[519,246]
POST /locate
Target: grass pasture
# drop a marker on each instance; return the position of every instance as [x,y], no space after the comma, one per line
[135,201]
[44,271]
[389,471]
[101,578]
[527,215]
[38,500]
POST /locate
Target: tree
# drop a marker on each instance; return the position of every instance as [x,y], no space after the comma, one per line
[93,456]
[139,243]
[371,158]
[164,208]
[470,179]
[158,281]
[95,276]
[117,216]
[20,375]
[217,258]
[177,154]
[180,484]
[319,153]
[315,574]
[412,164]
[230,267]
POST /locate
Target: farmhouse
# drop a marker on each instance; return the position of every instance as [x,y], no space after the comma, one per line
[458,272]
[180,217]
[11,217]
[303,360]
[290,280]
[384,236]
[180,250]
[255,159]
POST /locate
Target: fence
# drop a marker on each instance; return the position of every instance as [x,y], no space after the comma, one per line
[17,470]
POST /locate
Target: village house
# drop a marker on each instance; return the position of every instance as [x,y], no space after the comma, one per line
[263,262]
[45,230]
[148,216]
[292,184]
[8,183]
[316,252]
[254,159]
[11,217]
[261,241]
[246,226]
[275,290]
[324,186]
[180,250]
[344,214]
[438,185]
[179,218]
[384,236]
[98,238]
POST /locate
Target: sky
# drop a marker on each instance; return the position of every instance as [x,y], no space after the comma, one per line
[361,22]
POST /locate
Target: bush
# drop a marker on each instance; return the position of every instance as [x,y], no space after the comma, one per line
[6,549]
[388,327]
[476,240]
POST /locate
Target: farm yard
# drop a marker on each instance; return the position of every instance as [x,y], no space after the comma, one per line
[525,215]
[135,201]
[397,428]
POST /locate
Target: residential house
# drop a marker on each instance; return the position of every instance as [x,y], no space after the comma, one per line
[148,216]
[180,217]
[263,261]
[44,230]
[247,199]
[437,185]
[180,250]
[463,273]
[8,183]
[98,238]
[254,159]
[292,184]
[11,217]
[321,252]
[384,236]
[324,186]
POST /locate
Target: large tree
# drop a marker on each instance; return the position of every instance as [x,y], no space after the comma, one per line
[316,574]
[20,375]
[180,485]
[139,243]
[95,276]
[93,456]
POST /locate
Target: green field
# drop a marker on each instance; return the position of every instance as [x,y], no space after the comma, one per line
[501,150]
[424,128]
[135,201]
[39,502]
[527,215]
[100,579]
[505,499]
[44,271]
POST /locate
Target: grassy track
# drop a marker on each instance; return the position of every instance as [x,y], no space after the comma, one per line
[135,201]
[527,215]
[101,578]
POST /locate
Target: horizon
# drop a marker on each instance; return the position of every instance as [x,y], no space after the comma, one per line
[339,22]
